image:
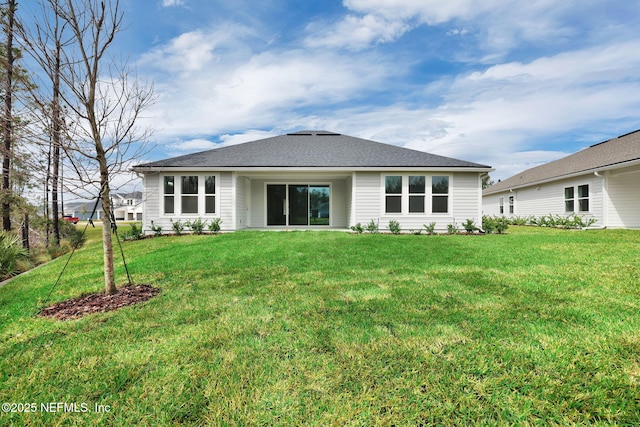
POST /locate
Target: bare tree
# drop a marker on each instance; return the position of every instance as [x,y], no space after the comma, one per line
[105,100]
[44,41]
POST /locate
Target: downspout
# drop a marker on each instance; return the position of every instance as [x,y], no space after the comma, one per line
[481,204]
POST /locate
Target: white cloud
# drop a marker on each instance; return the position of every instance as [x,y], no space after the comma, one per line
[355,32]
[193,145]
[201,93]
[170,3]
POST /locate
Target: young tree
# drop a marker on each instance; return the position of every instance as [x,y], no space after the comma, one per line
[104,101]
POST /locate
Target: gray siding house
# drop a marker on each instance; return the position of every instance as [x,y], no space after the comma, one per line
[600,182]
[312,180]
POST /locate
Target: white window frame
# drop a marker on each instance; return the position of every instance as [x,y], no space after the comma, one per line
[577,199]
[428,195]
[177,195]
[580,199]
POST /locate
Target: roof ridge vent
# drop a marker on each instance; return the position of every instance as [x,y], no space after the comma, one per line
[630,133]
[617,137]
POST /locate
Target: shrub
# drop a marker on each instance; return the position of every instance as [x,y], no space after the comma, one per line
[372,227]
[11,251]
[498,224]
[582,222]
[488,224]
[394,226]
[452,228]
[214,226]
[469,226]
[197,225]
[358,228]
[416,232]
[134,233]
[431,227]
[73,234]
[157,230]
[502,224]
[178,227]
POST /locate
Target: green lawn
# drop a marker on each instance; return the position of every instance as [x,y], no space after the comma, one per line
[538,326]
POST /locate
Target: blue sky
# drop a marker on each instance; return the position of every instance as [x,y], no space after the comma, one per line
[508,83]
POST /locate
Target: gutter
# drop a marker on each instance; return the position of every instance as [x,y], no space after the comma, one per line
[328,169]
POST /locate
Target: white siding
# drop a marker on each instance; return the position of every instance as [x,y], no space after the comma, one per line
[548,199]
[226,193]
[367,197]
[349,199]
[241,202]
[151,195]
[154,193]
[467,196]
[464,201]
[624,200]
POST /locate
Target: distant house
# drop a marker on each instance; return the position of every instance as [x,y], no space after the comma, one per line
[126,207]
[600,182]
[311,179]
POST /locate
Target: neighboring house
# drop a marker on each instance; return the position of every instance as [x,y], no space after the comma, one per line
[600,182]
[83,210]
[312,179]
[126,207]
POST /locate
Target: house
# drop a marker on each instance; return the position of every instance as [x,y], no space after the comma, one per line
[600,182]
[126,207]
[311,180]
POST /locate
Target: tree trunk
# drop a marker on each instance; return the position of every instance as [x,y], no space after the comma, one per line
[7,131]
[56,119]
[25,232]
[107,243]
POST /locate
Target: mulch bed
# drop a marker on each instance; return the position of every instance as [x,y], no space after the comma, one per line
[99,302]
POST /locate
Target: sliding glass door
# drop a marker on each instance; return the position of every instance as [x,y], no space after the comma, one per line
[319,204]
[298,204]
[276,205]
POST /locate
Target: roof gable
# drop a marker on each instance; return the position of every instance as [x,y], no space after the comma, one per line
[609,154]
[313,149]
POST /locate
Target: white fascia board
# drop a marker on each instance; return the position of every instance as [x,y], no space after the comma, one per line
[308,169]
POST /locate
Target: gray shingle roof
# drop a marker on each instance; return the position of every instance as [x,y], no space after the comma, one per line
[609,154]
[311,149]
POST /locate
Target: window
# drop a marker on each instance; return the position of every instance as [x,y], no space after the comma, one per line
[512,204]
[439,194]
[570,198]
[583,198]
[210,194]
[169,191]
[189,194]
[393,194]
[501,205]
[416,194]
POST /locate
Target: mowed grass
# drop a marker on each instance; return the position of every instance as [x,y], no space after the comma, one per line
[535,327]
